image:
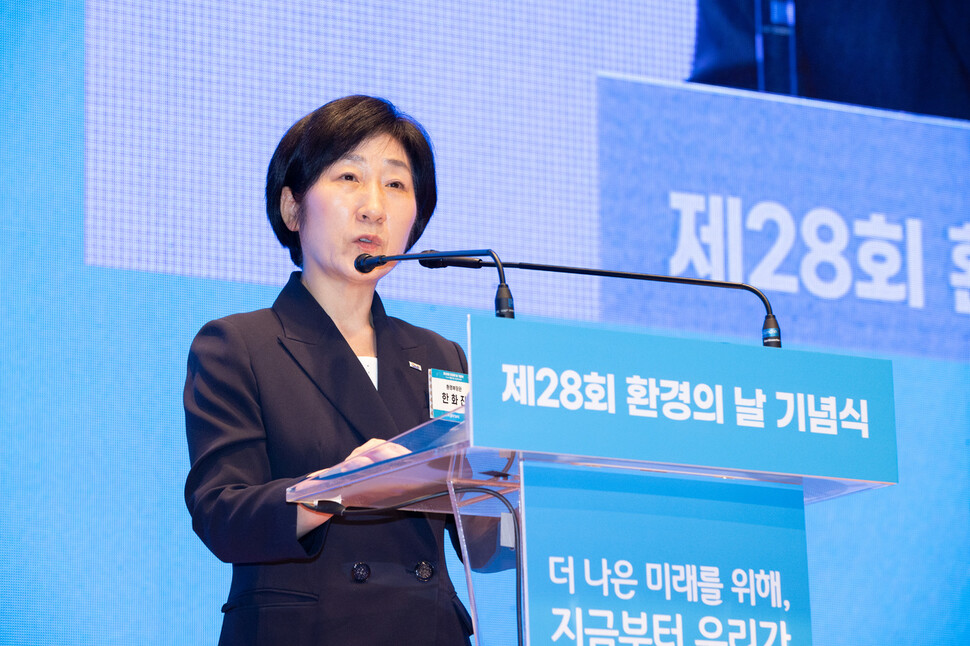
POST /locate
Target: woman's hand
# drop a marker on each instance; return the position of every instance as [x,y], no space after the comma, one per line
[371,451]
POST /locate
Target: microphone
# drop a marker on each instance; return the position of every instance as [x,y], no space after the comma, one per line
[770,330]
[366,263]
[504,304]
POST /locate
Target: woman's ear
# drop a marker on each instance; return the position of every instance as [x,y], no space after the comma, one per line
[290,210]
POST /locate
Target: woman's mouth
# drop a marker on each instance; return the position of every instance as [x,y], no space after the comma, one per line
[369,244]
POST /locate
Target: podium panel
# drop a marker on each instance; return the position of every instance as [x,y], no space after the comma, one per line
[684,526]
[583,390]
[634,556]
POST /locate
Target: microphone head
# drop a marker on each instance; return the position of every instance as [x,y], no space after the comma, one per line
[771,332]
[361,264]
[504,305]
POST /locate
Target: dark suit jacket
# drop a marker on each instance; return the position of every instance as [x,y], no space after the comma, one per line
[271,396]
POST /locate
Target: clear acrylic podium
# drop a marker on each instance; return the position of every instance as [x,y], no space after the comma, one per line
[614,547]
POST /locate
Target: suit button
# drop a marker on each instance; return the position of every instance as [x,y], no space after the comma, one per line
[424,571]
[360,572]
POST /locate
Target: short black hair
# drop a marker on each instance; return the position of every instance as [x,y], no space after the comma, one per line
[319,139]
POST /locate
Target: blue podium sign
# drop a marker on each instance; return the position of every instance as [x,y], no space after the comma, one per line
[584,391]
[619,557]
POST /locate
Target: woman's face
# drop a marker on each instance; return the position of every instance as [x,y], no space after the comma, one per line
[363,203]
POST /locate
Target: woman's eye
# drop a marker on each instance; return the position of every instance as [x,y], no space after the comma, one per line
[349,177]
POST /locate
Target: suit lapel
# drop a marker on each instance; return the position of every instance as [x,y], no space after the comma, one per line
[315,343]
[402,370]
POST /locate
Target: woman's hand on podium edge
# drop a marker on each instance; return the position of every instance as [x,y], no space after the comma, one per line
[371,451]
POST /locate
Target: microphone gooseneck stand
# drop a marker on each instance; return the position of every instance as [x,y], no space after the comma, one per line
[770,330]
[504,304]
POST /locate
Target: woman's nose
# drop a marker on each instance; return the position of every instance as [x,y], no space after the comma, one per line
[372,206]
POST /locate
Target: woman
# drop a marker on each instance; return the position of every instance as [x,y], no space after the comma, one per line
[324,374]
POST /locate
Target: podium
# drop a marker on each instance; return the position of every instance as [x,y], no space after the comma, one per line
[633,489]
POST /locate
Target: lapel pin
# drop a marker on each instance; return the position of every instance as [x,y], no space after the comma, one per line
[416,366]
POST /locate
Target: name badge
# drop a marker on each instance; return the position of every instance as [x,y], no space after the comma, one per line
[446,390]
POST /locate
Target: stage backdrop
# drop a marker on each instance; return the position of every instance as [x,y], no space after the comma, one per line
[135,140]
